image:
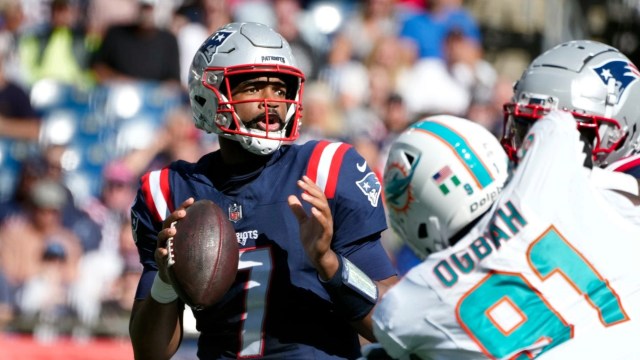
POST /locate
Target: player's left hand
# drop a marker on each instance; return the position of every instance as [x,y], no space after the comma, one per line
[161,254]
[316,231]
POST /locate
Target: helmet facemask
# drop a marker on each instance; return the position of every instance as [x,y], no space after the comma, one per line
[605,134]
[265,133]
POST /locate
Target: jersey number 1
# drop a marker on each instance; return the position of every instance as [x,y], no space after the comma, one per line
[505,315]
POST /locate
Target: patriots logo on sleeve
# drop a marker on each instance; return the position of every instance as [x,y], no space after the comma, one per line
[215,41]
[370,186]
[622,72]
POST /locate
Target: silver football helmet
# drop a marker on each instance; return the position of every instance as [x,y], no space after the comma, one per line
[595,82]
[234,51]
[442,173]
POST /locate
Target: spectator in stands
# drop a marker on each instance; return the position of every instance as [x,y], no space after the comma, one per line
[110,211]
[73,217]
[287,15]
[12,15]
[516,31]
[59,49]
[112,207]
[177,139]
[118,299]
[388,63]
[464,57]
[491,114]
[138,51]
[322,120]
[372,20]
[192,22]
[47,166]
[396,119]
[23,239]
[426,31]
[44,298]
[18,119]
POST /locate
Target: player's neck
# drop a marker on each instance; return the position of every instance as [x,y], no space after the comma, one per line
[238,158]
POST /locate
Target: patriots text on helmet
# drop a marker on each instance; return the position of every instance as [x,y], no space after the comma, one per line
[268,58]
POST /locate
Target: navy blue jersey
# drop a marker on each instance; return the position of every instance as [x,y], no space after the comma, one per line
[277,307]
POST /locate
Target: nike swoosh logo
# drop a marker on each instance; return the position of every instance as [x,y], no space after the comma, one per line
[362,167]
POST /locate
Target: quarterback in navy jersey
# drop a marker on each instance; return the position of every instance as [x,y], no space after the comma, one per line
[307,217]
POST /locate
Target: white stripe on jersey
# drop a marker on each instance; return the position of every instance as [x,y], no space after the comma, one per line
[156,193]
[324,165]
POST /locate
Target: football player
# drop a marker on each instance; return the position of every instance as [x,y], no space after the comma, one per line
[542,268]
[599,86]
[596,84]
[307,217]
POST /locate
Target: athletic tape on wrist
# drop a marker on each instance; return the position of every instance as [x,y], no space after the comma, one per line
[162,292]
[352,290]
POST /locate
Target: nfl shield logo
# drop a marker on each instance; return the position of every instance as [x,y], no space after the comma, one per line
[235,212]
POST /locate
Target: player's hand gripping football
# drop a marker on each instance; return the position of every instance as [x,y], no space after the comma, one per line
[316,231]
[162,254]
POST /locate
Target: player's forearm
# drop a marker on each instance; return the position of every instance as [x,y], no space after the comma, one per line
[155,329]
[364,325]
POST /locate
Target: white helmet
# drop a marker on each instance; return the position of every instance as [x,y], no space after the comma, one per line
[595,82]
[442,173]
[233,52]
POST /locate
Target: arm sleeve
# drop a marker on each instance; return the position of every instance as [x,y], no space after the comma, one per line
[145,231]
[359,218]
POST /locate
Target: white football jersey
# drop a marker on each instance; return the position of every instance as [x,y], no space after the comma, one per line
[555,259]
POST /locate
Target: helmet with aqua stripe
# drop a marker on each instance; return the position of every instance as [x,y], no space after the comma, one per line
[441,175]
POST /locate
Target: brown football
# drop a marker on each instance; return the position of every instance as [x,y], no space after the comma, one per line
[203,255]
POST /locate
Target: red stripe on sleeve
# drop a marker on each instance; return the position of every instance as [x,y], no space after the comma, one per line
[314,160]
[628,165]
[334,170]
[148,198]
[166,190]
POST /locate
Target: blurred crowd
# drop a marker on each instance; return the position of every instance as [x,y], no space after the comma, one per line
[92,95]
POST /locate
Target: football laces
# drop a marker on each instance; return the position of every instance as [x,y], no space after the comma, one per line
[171,257]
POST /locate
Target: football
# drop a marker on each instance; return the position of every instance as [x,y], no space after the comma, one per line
[203,255]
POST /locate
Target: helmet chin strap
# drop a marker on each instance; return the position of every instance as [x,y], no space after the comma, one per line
[258,146]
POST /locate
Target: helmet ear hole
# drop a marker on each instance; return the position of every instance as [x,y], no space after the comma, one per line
[410,159]
[422,231]
[200,100]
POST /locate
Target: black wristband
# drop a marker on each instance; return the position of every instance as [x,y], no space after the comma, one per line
[353,292]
